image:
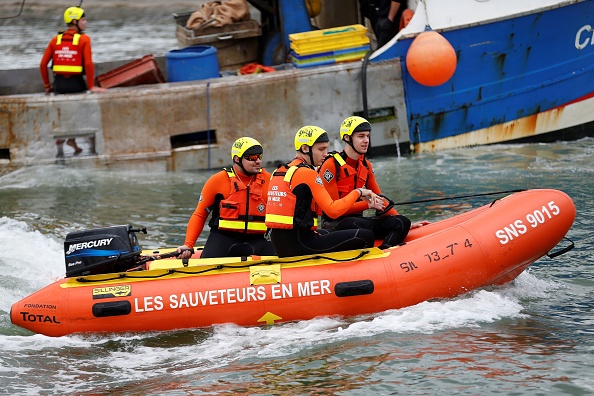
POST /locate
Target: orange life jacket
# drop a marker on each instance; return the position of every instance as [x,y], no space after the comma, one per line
[68,57]
[347,177]
[284,209]
[244,209]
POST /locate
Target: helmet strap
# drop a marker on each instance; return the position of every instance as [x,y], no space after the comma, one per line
[309,154]
[350,143]
[311,157]
[240,164]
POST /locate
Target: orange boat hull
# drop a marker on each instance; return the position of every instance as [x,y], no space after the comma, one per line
[490,245]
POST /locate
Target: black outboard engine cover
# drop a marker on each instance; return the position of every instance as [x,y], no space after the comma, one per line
[101,250]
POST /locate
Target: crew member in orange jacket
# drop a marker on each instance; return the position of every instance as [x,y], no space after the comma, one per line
[71,56]
[297,195]
[236,197]
[345,171]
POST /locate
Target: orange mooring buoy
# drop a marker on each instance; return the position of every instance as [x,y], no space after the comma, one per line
[431,59]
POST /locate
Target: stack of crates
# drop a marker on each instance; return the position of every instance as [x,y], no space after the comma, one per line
[327,46]
[237,44]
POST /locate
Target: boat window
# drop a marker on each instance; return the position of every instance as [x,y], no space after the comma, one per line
[193,139]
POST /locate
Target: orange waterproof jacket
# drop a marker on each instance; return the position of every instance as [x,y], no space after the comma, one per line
[342,175]
[83,49]
[219,188]
[286,209]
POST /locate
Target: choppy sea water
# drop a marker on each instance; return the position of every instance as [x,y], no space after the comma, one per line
[533,336]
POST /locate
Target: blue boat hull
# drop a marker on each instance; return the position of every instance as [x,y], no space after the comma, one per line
[507,70]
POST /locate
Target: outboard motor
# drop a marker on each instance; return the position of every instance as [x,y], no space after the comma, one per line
[102,250]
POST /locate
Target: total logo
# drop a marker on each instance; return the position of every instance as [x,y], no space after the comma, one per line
[39,318]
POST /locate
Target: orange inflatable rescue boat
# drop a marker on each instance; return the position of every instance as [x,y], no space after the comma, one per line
[490,245]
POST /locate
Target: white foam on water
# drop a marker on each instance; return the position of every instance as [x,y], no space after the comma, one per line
[47,176]
[29,261]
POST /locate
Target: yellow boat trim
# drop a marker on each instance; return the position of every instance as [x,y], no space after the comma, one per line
[206,267]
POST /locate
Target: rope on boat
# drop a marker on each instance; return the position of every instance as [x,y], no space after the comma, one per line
[457,197]
[131,275]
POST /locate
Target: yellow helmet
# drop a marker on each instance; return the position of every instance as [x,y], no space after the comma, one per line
[73,13]
[310,135]
[354,124]
[246,146]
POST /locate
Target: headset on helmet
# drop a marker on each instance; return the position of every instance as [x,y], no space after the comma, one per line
[73,13]
[310,135]
[246,146]
[354,124]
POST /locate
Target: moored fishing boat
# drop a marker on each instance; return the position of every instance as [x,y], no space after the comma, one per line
[490,245]
[522,73]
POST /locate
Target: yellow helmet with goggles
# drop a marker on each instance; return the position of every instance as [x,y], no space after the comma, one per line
[73,13]
[246,146]
[354,124]
[310,135]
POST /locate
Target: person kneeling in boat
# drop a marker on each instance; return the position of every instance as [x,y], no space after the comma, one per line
[236,197]
[348,170]
[295,197]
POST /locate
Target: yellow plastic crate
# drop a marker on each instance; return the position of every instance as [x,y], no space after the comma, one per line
[327,58]
[325,40]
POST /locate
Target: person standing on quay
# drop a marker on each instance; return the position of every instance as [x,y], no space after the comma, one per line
[71,56]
